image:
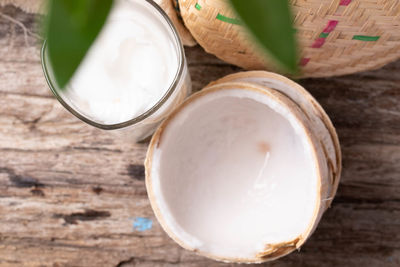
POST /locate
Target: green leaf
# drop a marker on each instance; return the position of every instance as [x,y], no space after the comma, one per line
[270,22]
[71,28]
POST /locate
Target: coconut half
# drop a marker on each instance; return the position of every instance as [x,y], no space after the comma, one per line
[238,173]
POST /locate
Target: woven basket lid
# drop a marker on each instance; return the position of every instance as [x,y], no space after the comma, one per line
[335,37]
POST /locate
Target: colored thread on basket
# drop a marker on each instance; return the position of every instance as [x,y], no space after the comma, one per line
[228,20]
[304,61]
[324,34]
[330,26]
[345,2]
[366,38]
[197,6]
[222,17]
[319,42]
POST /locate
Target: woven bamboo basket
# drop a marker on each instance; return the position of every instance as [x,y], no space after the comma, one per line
[335,37]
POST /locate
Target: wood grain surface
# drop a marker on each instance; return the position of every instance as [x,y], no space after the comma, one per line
[71,195]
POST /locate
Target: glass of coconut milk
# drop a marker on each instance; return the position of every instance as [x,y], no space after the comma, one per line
[132,77]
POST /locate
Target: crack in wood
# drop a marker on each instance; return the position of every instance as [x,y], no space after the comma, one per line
[37,192]
[21,181]
[136,171]
[96,149]
[138,260]
[97,189]
[87,215]
[359,201]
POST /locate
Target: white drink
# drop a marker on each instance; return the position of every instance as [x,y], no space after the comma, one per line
[131,66]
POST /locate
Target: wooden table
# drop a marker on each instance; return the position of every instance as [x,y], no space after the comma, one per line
[71,195]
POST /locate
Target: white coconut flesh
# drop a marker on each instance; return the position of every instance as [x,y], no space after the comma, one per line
[300,96]
[233,173]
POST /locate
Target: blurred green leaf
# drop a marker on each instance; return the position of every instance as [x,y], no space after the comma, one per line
[71,28]
[270,22]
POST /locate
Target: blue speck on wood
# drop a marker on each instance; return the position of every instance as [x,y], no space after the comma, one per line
[142,224]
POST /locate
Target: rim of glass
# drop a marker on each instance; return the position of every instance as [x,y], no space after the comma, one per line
[144,115]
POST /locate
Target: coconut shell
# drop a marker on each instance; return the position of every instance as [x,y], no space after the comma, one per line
[319,131]
[274,251]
